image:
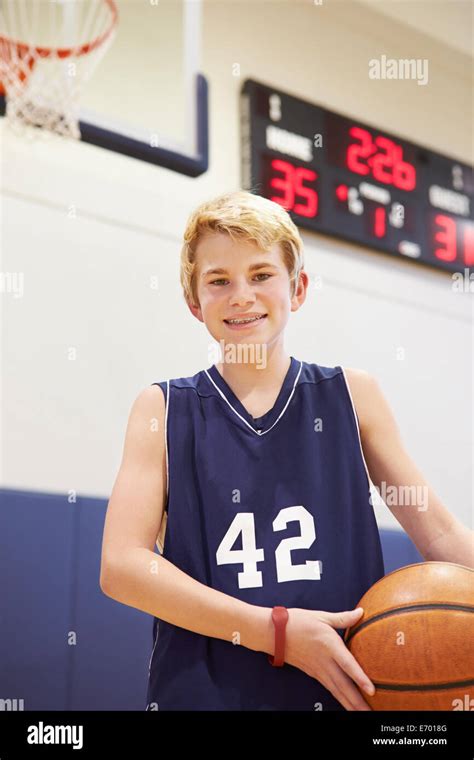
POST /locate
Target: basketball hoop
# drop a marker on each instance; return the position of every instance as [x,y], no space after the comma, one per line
[48,50]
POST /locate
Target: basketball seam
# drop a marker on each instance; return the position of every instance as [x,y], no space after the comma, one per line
[410,608]
[423,687]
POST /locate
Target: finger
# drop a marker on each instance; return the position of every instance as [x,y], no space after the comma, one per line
[343,619]
[349,691]
[332,686]
[348,663]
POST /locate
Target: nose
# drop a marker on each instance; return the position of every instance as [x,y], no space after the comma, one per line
[242,293]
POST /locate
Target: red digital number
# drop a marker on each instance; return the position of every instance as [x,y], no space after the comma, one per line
[455,239]
[446,236]
[355,152]
[384,161]
[291,185]
[383,158]
[468,241]
[380,226]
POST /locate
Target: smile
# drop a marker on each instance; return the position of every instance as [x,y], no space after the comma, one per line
[244,321]
[243,324]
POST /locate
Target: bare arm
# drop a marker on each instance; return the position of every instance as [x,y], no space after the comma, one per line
[154,585]
[133,574]
[436,532]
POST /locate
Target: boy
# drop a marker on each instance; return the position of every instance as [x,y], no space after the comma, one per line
[268,536]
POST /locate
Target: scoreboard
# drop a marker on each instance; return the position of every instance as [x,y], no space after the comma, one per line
[350,180]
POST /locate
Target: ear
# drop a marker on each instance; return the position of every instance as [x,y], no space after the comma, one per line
[195,311]
[300,293]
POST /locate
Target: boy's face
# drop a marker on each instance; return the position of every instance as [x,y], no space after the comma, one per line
[243,288]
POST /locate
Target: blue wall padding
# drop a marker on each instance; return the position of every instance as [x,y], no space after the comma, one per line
[50,553]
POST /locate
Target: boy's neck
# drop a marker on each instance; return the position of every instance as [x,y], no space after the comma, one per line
[243,377]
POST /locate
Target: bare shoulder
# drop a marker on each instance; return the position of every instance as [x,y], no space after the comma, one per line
[357,378]
[151,395]
[361,385]
[145,445]
[147,408]
[135,511]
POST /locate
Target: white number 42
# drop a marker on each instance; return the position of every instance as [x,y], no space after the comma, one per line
[249,555]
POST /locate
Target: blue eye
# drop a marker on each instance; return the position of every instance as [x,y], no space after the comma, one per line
[261,274]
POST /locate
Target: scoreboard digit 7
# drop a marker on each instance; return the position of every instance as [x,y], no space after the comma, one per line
[344,178]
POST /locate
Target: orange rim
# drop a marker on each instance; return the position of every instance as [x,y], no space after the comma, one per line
[45,52]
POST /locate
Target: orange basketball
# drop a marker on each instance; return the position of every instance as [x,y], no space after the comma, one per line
[415,639]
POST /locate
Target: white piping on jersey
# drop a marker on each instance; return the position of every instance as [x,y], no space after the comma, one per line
[257,432]
[166,439]
[154,646]
[167,403]
[357,426]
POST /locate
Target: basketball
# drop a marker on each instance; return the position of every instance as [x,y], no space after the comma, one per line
[415,638]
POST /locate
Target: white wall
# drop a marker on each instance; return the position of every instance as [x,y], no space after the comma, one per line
[89,229]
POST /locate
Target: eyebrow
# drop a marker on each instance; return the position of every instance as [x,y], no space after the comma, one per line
[262,265]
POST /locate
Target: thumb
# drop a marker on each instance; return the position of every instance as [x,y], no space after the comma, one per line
[344,619]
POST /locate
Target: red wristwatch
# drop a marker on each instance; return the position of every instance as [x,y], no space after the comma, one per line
[280,619]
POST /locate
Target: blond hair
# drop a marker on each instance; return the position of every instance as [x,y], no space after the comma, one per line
[243,216]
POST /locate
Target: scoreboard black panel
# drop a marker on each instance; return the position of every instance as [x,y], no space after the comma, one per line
[347,179]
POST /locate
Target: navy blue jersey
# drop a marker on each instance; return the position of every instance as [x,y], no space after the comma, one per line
[273,510]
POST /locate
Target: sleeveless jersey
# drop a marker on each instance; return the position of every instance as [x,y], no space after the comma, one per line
[272,510]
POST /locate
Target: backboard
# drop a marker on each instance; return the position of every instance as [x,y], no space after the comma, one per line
[147,99]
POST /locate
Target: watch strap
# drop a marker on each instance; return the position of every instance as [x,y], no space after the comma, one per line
[280,619]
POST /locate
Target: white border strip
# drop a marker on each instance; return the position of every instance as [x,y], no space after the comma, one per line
[262,432]
[166,441]
[357,427]
[154,645]
[167,491]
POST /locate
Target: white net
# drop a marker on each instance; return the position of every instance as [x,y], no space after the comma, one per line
[48,51]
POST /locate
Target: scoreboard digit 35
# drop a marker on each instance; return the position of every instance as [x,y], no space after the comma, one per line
[344,178]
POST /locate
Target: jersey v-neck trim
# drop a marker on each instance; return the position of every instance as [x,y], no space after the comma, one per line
[258,425]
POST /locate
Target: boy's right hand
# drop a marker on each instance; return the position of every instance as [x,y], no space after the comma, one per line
[312,645]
